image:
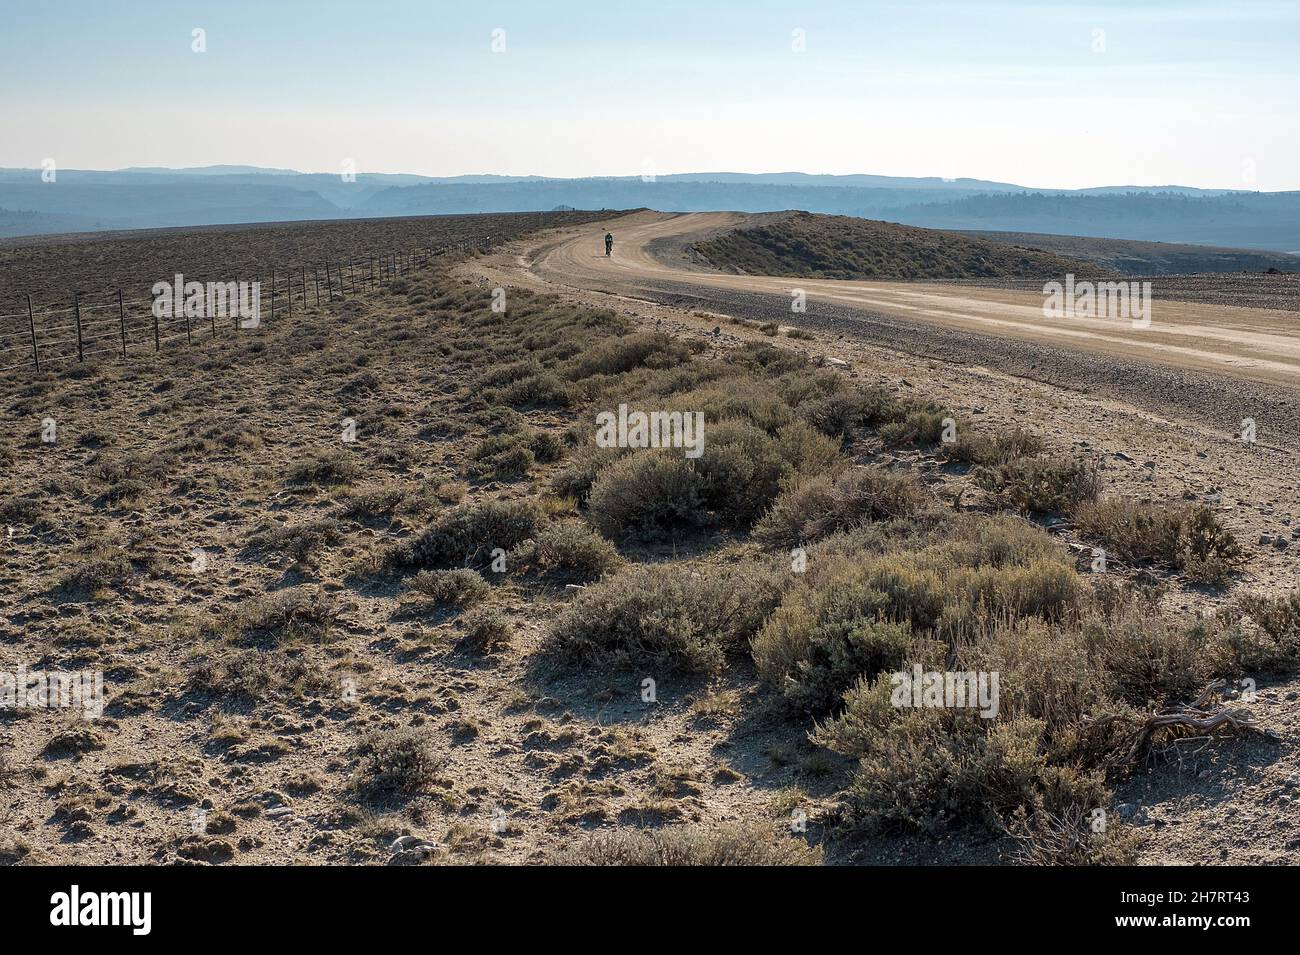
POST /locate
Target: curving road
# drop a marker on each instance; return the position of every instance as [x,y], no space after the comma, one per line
[649,259]
[1214,364]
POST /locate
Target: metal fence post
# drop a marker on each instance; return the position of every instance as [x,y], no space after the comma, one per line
[76,310]
[31,322]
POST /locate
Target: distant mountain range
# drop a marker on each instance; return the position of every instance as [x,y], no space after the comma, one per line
[148,197]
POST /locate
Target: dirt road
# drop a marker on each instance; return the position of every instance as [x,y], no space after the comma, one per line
[1218,364]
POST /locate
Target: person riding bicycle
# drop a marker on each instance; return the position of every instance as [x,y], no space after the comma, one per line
[609,242]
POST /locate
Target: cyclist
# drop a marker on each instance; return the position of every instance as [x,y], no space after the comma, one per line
[609,242]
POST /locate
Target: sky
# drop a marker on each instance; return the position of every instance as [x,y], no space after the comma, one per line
[1043,94]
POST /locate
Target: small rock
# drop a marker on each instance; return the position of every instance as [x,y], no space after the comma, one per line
[408,842]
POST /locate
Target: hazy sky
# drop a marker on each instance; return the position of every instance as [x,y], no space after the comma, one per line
[1173,91]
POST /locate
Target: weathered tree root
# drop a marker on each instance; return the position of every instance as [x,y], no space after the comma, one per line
[1202,719]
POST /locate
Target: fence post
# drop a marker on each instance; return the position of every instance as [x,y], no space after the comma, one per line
[121,320]
[31,323]
[273,295]
[156,343]
[76,310]
[288,282]
[315,282]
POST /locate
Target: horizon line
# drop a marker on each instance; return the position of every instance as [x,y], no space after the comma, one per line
[286,171]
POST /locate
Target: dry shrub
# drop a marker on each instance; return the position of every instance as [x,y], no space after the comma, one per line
[569,548]
[993,450]
[1185,537]
[1041,485]
[677,618]
[396,763]
[817,507]
[325,468]
[919,426]
[465,535]
[258,675]
[741,471]
[298,613]
[300,542]
[618,355]
[832,627]
[485,630]
[728,845]
[462,586]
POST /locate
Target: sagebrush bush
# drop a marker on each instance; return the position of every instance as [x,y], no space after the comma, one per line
[728,845]
[1041,485]
[817,507]
[919,426]
[325,468]
[467,534]
[618,355]
[576,477]
[503,456]
[677,618]
[993,450]
[542,390]
[300,542]
[96,567]
[1260,634]
[395,763]
[1185,537]
[485,630]
[829,625]
[566,547]
[258,675]
[740,472]
[1071,694]
[649,493]
[462,587]
[924,770]
[298,613]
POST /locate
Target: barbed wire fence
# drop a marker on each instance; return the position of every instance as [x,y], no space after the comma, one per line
[109,325]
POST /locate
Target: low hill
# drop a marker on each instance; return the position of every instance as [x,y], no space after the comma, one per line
[806,245]
[1133,257]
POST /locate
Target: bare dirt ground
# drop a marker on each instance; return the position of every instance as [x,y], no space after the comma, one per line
[1151,403]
